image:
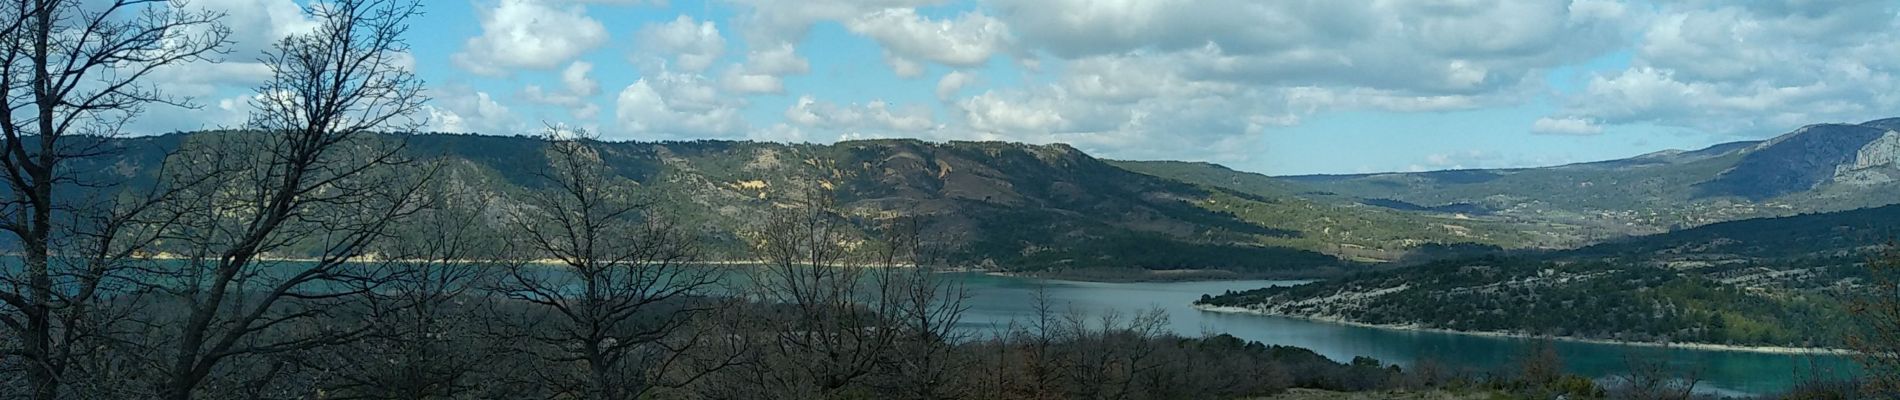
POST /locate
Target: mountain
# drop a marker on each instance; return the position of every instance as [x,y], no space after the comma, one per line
[1379,229]
[1770,281]
[1824,167]
[1836,235]
[1801,160]
[1013,206]
[1053,207]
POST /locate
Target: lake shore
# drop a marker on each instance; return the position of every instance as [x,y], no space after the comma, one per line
[1501,334]
[1127,275]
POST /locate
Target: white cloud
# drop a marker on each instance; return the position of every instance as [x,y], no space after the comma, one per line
[256,25]
[873,119]
[1565,126]
[670,105]
[969,40]
[460,109]
[205,79]
[219,113]
[658,3]
[954,82]
[1016,112]
[575,93]
[1429,48]
[1481,158]
[1753,68]
[529,34]
[1164,78]
[904,67]
[764,70]
[768,21]
[694,45]
[737,80]
[770,27]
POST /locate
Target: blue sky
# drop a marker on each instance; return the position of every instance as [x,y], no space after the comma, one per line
[1282,87]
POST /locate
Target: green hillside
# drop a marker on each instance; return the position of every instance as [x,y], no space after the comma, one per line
[1347,225]
[1817,168]
[1007,206]
[1760,282]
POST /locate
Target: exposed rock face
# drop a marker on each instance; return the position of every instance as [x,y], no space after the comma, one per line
[1795,162]
[1876,164]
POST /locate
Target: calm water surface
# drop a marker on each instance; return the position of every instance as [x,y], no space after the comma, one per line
[997,300]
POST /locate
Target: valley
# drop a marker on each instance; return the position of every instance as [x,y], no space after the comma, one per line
[1762,256]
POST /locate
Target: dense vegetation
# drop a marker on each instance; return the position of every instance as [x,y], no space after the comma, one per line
[1582,300]
[1020,207]
[1343,225]
[1773,281]
[1818,168]
[1832,234]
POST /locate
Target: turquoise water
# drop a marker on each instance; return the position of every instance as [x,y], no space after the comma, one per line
[997,300]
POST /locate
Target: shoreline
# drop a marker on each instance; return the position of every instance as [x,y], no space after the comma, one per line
[1514,335]
[1150,276]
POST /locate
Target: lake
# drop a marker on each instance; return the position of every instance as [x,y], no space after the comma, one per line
[996,300]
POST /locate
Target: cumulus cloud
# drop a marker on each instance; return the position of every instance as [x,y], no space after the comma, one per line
[694,45]
[529,34]
[1166,78]
[1480,158]
[873,119]
[256,24]
[660,3]
[954,82]
[1565,126]
[672,105]
[1207,125]
[764,70]
[461,109]
[214,86]
[1139,78]
[969,40]
[767,21]
[908,39]
[213,113]
[1753,68]
[575,94]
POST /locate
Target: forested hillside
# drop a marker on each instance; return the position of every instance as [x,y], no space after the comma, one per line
[1761,282]
[1007,206]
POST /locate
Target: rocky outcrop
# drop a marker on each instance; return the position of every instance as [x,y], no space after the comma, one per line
[1877,163]
[1795,162]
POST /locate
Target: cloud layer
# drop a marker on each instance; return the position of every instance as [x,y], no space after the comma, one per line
[1191,79]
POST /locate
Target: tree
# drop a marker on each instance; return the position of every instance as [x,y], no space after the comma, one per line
[927,313]
[1878,339]
[73,73]
[611,286]
[841,310]
[1649,375]
[429,332]
[306,180]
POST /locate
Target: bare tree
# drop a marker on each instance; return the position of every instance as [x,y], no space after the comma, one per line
[1649,375]
[428,334]
[927,313]
[838,306]
[308,181]
[1108,354]
[73,74]
[1540,365]
[614,293]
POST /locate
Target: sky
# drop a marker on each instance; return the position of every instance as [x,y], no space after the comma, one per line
[1277,87]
